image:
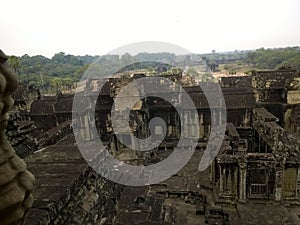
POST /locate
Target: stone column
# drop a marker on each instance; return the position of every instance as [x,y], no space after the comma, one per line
[201,125]
[278,183]
[16,183]
[212,171]
[235,184]
[259,143]
[221,182]
[186,124]
[87,132]
[81,122]
[242,181]
[178,123]
[298,183]
[229,180]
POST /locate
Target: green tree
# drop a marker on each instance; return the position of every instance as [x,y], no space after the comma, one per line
[80,71]
[67,83]
[251,56]
[57,83]
[14,62]
[127,59]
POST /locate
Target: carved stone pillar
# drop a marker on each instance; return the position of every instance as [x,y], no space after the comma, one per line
[16,183]
[242,182]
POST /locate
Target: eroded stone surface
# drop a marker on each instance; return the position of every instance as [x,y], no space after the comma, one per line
[16,183]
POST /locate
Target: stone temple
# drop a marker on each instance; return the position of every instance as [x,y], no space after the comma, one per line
[254,179]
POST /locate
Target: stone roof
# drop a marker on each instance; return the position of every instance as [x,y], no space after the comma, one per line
[56,168]
[64,104]
[274,79]
[49,105]
[233,99]
[241,81]
[42,107]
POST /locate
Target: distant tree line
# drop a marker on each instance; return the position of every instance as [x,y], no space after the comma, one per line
[274,58]
[221,56]
[62,70]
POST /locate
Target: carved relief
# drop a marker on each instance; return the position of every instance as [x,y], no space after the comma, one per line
[16,183]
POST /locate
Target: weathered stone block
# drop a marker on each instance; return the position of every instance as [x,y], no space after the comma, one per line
[16,183]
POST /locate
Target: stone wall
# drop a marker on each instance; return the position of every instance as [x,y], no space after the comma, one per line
[20,134]
[16,183]
[91,200]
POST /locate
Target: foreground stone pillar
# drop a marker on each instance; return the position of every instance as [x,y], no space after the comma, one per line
[16,183]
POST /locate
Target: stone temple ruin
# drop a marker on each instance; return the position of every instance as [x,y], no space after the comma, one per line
[255,178]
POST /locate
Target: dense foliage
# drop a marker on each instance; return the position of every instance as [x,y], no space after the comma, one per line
[62,70]
[274,58]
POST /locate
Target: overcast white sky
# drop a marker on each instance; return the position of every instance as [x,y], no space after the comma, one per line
[96,27]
